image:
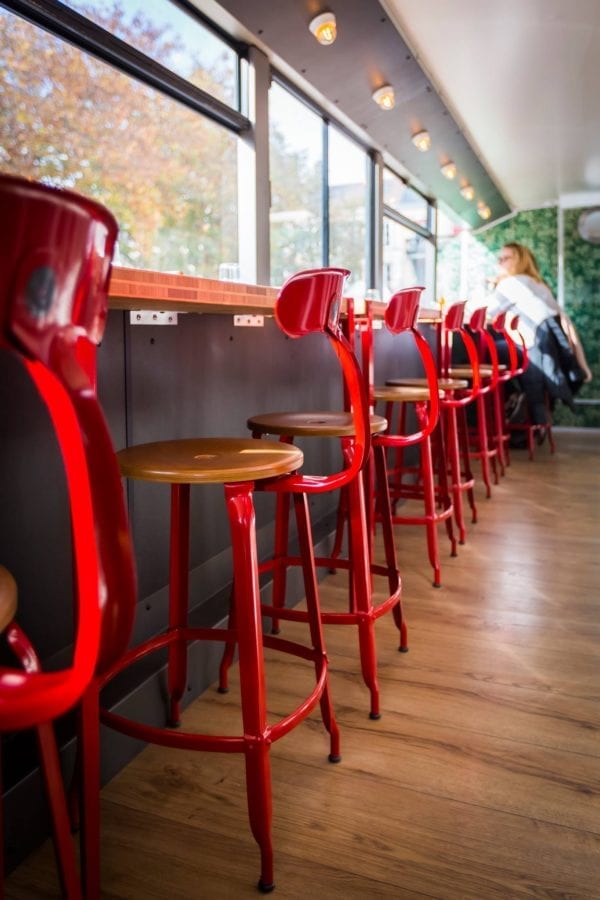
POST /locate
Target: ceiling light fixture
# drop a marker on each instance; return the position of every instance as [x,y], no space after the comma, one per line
[483,210]
[422,140]
[384,97]
[448,170]
[468,191]
[324,28]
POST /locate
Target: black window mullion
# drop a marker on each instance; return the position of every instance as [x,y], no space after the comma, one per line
[325,193]
[371,230]
[65,23]
[393,214]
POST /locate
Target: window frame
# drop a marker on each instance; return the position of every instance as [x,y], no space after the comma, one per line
[80,31]
[426,231]
[371,181]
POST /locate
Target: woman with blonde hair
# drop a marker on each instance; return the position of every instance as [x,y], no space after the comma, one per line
[557,363]
[522,294]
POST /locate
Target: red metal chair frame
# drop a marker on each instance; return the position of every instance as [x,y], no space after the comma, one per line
[353,511]
[453,406]
[401,316]
[309,302]
[485,447]
[502,431]
[513,335]
[53,283]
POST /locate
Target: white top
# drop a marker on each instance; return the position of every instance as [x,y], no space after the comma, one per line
[531,300]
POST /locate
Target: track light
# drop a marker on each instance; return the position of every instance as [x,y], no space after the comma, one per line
[448,170]
[468,191]
[324,28]
[422,140]
[384,97]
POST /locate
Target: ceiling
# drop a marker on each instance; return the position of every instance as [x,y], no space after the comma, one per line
[369,51]
[509,91]
[522,78]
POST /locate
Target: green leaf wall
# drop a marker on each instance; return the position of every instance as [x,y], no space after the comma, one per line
[538,230]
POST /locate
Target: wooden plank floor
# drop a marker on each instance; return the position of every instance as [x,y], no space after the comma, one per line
[480,780]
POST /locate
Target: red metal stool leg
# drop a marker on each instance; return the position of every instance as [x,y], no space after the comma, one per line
[430,510]
[240,510]
[444,499]
[483,444]
[361,591]
[178,596]
[61,823]
[89,748]
[52,776]
[282,519]
[314,619]
[384,514]
[498,427]
[466,473]
[449,419]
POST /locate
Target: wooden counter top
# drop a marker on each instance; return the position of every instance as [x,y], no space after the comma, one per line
[160,291]
[163,292]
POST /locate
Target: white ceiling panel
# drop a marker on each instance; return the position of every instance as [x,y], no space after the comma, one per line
[522,77]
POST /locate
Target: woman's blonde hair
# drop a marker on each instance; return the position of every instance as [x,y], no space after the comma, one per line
[526,263]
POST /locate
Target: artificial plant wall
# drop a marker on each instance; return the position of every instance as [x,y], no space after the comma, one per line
[538,230]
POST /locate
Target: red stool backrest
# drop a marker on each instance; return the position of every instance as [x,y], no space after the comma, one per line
[500,327]
[310,301]
[453,320]
[400,316]
[454,324]
[402,310]
[487,346]
[517,335]
[56,254]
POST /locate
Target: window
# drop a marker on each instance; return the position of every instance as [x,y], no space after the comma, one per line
[408,244]
[170,36]
[296,160]
[347,176]
[167,173]
[465,267]
[408,260]
[405,200]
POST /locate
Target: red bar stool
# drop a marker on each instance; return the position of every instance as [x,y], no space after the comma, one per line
[513,370]
[455,396]
[308,303]
[533,430]
[362,611]
[57,249]
[401,316]
[483,445]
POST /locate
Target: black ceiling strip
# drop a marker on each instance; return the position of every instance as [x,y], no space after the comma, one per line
[58,19]
[391,213]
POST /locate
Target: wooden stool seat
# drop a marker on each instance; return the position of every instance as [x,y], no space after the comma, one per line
[311,424]
[363,612]
[444,384]
[8,598]
[467,372]
[403,394]
[208,460]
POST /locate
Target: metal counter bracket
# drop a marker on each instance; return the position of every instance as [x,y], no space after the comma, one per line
[148,317]
[247,321]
